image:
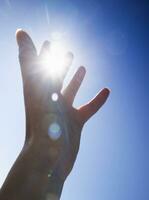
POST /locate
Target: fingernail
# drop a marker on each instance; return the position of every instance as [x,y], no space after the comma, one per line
[106,91]
[81,71]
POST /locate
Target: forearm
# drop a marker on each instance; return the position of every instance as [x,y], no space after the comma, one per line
[30,178]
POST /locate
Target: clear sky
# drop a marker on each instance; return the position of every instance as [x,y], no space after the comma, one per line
[110,38]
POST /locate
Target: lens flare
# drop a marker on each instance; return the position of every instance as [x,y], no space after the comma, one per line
[54,97]
[54,131]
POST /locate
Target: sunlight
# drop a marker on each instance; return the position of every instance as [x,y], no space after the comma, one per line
[55,61]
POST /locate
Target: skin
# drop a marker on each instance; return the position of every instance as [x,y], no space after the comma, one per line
[45,162]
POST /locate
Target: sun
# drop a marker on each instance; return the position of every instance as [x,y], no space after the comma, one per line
[54,61]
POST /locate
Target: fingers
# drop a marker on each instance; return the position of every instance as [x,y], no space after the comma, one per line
[93,106]
[73,87]
[45,49]
[26,45]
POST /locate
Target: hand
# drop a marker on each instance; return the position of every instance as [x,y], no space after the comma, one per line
[53,128]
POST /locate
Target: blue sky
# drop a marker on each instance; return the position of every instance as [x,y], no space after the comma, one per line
[110,38]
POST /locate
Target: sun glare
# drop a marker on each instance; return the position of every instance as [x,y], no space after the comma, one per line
[54,61]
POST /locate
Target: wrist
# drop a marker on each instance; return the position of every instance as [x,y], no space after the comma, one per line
[51,183]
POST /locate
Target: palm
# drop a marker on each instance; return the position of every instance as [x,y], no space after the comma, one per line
[54,126]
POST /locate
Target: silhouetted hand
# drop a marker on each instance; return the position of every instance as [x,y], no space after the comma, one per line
[53,127]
